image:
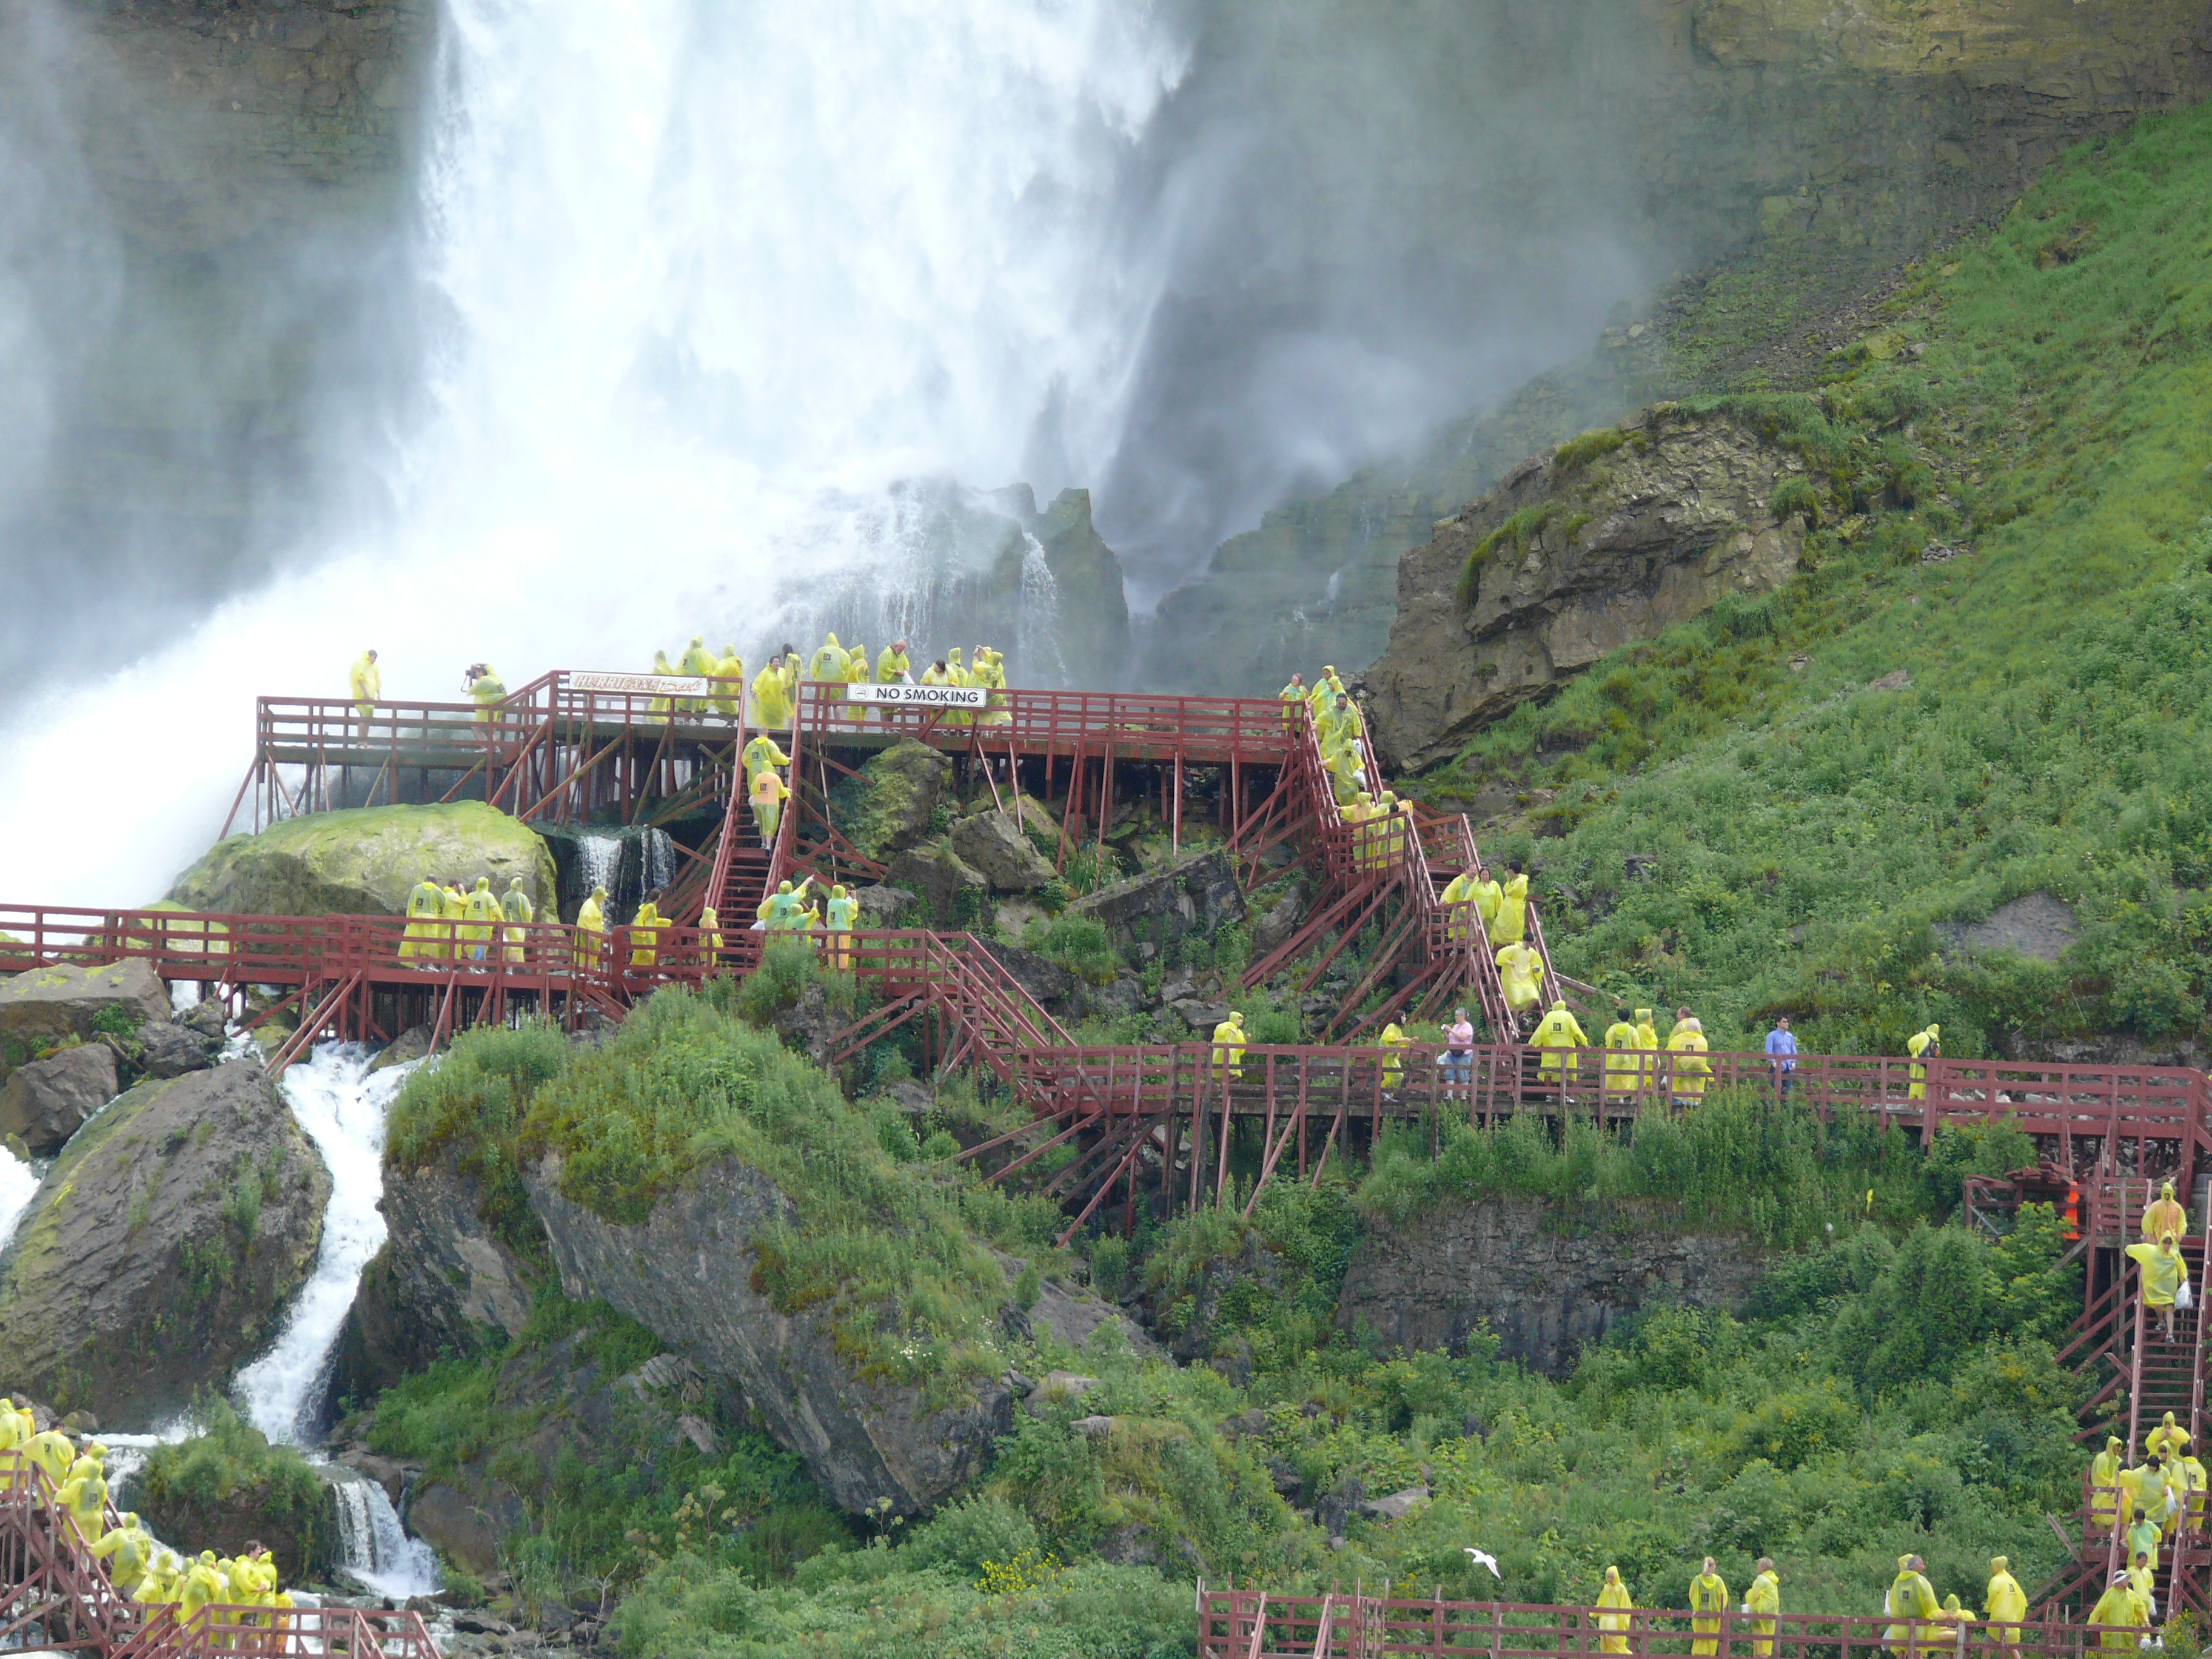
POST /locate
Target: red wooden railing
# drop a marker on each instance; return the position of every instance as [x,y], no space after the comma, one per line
[1254,1624]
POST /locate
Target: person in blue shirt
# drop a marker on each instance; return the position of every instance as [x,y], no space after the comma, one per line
[1782,1053]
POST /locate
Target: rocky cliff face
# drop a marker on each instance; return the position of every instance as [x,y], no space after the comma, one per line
[1842,137]
[163,1247]
[686,1275]
[1544,1294]
[1611,540]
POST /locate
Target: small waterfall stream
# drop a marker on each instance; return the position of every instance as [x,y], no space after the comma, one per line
[1038,636]
[342,1106]
[377,1552]
[19,1184]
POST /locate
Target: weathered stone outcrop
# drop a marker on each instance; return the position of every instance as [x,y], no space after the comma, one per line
[686,1275]
[993,844]
[442,1283]
[1543,1293]
[163,1247]
[46,1102]
[1195,895]
[953,893]
[363,860]
[40,1008]
[1565,561]
[885,807]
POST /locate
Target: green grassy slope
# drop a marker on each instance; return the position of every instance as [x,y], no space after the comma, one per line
[2041,404]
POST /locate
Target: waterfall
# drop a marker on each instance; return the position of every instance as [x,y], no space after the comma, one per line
[598,863]
[704,279]
[19,1184]
[342,1107]
[657,856]
[1038,635]
[377,1552]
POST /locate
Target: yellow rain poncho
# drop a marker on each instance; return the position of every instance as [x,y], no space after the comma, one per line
[2105,1471]
[767,795]
[1911,1596]
[1556,1034]
[1622,1064]
[1460,908]
[425,934]
[2119,1613]
[482,909]
[1511,924]
[2164,1271]
[590,928]
[1394,1067]
[1763,1600]
[2166,1440]
[699,660]
[1613,1625]
[1521,972]
[368,683]
[516,909]
[1689,1069]
[771,700]
[730,668]
[1917,1045]
[1709,1600]
[2004,1600]
[2165,1215]
[1229,1047]
[645,936]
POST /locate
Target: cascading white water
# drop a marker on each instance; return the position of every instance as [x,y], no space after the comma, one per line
[19,1184]
[377,1552]
[342,1107]
[1040,616]
[599,861]
[710,277]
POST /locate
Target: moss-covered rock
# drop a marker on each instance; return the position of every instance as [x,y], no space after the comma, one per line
[887,807]
[363,861]
[160,1251]
[43,1007]
[227,1486]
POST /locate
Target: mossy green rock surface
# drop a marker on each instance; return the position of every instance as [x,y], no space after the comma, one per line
[162,1249]
[363,861]
[886,808]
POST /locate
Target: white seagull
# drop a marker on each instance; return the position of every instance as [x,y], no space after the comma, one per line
[1483,1559]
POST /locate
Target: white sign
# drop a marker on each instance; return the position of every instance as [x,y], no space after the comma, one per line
[639,685]
[919,696]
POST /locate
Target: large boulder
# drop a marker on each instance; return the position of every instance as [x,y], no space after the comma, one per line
[363,861]
[687,1274]
[885,807]
[1196,895]
[443,1282]
[47,1101]
[952,891]
[993,844]
[164,1246]
[1611,539]
[43,1006]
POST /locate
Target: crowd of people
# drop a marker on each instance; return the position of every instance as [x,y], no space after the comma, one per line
[139,1569]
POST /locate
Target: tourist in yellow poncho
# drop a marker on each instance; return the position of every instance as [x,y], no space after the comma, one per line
[514,906]
[1613,1595]
[590,928]
[1928,1043]
[1394,1038]
[1229,1047]
[1709,1601]
[2105,1470]
[2002,1601]
[425,904]
[2164,1215]
[2193,1471]
[1462,905]
[1623,1065]
[1911,1596]
[1763,1601]
[1521,975]
[644,935]
[771,698]
[454,906]
[1556,1034]
[482,908]
[2166,1440]
[1689,1069]
[2164,1275]
[1511,922]
[2119,1614]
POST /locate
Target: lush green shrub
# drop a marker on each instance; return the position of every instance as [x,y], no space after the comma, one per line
[1581,450]
[1078,943]
[1796,498]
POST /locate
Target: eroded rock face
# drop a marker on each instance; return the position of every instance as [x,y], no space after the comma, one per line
[41,1006]
[364,860]
[686,1274]
[443,1282]
[46,1102]
[164,1246]
[1572,562]
[1430,1284]
[1195,895]
[994,845]
[952,891]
